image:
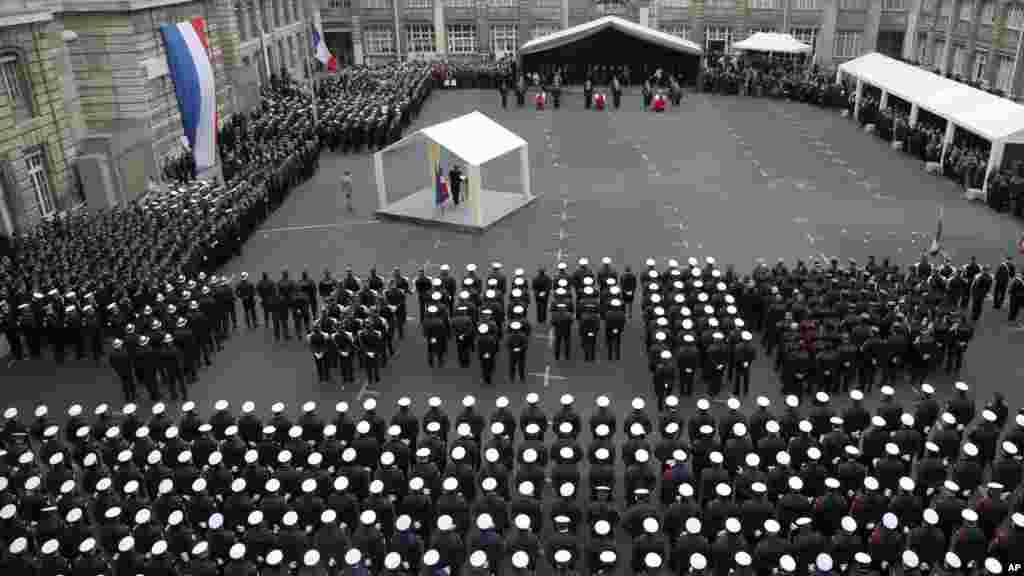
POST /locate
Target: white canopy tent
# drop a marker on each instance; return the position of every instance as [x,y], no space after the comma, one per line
[476,140]
[592,27]
[998,120]
[772,43]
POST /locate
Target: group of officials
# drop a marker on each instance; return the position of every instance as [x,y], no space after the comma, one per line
[932,487]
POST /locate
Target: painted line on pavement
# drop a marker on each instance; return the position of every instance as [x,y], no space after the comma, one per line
[318,226]
[547,376]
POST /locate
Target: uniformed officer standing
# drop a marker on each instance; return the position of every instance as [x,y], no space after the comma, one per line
[518,343]
[561,318]
[614,325]
[487,348]
[541,293]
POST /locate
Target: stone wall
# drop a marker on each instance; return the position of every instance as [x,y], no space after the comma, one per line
[38,47]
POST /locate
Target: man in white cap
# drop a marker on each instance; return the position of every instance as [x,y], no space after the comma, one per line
[523,544]
[562,317]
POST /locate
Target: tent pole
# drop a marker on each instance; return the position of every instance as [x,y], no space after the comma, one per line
[524,170]
[947,140]
[858,98]
[475,190]
[378,173]
[995,161]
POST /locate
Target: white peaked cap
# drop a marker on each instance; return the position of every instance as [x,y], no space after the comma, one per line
[309,407]
[641,455]
[832,483]
[758,488]
[772,427]
[522,522]
[308,485]
[484,522]
[795,483]
[961,386]
[478,559]
[532,398]
[636,429]
[782,458]
[650,525]
[255,517]
[805,426]
[671,401]
[969,515]
[526,488]
[341,407]
[693,525]
[1018,519]
[792,401]
[353,556]
[502,402]
[927,388]
[723,490]
[50,547]
[733,403]
[698,561]
[363,427]
[856,395]
[849,524]
[237,551]
[368,517]
[732,525]
[311,558]
[953,560]
[703,404]
[445,523]
[638,404]
[602,527]
[823,562]
[951,486]
[450,484]
[685,490]
[716,457]
[993,566]
[125,545]
[469,401]
[890,521]
[906,484]
[739,429]
[603,401]
[520,559]
[862,558]
[887,391]
[787,563]
[567,489]
[403,522]
[763,402]
[652,560]
[907,420]
[910,559]
[743,558]
[930,516]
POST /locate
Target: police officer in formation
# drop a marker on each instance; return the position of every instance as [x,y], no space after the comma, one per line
[369,107]
[831,327]
[932,487]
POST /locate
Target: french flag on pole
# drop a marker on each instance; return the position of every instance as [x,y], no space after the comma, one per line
[188,60]
[320,51]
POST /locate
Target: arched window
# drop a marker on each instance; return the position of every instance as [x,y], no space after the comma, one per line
[14,84]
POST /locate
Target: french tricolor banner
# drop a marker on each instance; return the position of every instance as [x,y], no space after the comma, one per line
[320,50]
[188,59]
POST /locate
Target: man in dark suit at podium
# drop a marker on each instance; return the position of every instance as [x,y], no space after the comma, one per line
[455,183]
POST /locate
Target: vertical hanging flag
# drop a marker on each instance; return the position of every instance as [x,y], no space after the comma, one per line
[188,60]
[320,50]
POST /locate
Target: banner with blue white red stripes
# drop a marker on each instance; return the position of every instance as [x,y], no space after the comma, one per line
[188,59]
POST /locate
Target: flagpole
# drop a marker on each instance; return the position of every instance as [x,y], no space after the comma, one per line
[308,24]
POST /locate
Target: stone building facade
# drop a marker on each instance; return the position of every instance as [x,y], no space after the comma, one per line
[37,132]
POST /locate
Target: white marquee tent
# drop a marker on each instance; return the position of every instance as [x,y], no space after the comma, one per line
[773,43]
[592,27]
[476,140]
[997,119]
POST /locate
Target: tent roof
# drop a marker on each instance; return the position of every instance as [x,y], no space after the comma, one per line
[592,27]
[473,137]
[772,42]
[990,116]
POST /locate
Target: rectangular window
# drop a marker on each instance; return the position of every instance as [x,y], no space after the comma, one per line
[893,5]
[502,3]
[805,5]
[297,10]
[379,40]
[265,8]
[764,4]
[543,30]
[1015,20]
[757,30]
[377,4]
[462,38]
[721,4]
[35,163]
[286,12]
[853,5]
[1004,76]
[419,38]
[715,34]
[847,44]
[980,58]
[808,36]
[922,48]
[675,3]
[339,4]
[679,30]
[419,3]
[504,39]
[966,8]
[988,12]
[548,3]
[13,83]
[460,3]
